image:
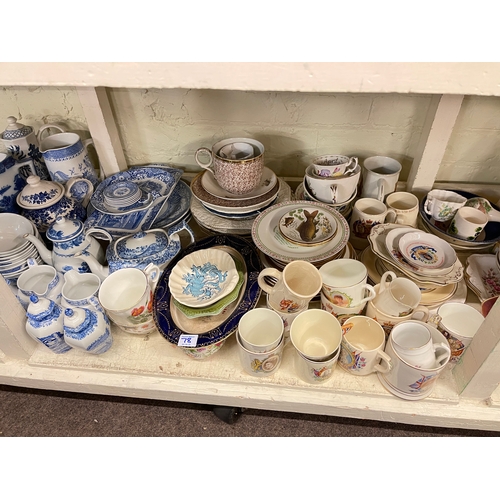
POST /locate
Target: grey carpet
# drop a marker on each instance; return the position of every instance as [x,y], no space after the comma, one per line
[37,413]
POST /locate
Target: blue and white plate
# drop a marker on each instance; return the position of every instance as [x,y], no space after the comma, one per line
[176,208]
[162,297]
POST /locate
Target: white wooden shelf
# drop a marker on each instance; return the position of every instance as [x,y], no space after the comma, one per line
[150,367]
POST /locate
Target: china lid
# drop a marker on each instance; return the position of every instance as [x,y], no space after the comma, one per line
[41,308]
[64,229]
[15,130]
[39,193]
[142,244]
[77,320]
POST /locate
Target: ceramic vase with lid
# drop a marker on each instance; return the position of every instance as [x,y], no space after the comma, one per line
[42,201]
[87,329]
[22,143]
[45,324]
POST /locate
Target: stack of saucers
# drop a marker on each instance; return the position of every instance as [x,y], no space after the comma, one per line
[121,194]
[424,258]
[301,230]
[14,249]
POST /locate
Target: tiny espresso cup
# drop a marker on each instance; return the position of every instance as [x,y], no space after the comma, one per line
[406,207]
[234,174]
[467,223]
[334,165]
[294,288]
[397,296]
[127,297]
[388,322]
[380,176]
[260,330]
[362,348]
[345,282]
[366,213]
[458,323]
[442,205]
[413,343]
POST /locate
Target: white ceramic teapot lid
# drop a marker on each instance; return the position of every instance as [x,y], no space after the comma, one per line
[39,193]
[64,229]
[15,130]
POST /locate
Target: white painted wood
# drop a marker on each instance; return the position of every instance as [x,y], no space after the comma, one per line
[373,77]
[438,126]
[478,373]
[14,341]
[102,128]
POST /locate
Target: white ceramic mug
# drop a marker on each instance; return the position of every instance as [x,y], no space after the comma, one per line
[341,313]
[344,282]
[127,297]
[362,349]
[468,223]
[332,190]
[334,165]
[388,322]
[366,213]
[295,286]
[260,329]
[407,381]
[442,205]
[397,296]
[238,176]
[458,323]
[315,372]
[260,364]
[316,334]
[287,318]
[406,207]
[413,342]
[380,176]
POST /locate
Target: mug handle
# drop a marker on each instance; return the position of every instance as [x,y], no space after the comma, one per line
[421,309]
[89,192]
[428,206]
[45,127]
[177,228]
[200,163]
[371,294]
[270,271]
[350,168]
[385,364]
[99,231]
[383,280]
[381,188]
[391,215]
[446,354]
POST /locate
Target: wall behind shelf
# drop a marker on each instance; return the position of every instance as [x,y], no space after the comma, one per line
[168,125]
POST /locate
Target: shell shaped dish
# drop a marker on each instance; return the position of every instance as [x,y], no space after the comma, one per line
[203,277]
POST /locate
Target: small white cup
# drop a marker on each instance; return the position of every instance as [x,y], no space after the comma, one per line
[344,282]
[316,334]
[260,364]
[315,372]
[380,176]
[397,296]
[406,207]
[468,223]
[334,165]
[362,349]
[341,313]
[442,205]
[332,190]
[413,342]
[260,329]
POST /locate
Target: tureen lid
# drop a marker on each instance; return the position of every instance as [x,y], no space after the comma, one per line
[64,229]
[141,244]
[39,193]
[15,130]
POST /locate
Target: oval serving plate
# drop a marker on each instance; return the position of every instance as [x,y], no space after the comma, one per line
[162,307]
[426,251]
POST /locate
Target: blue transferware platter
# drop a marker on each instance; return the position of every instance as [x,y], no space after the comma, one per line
[162,313]
[176,208]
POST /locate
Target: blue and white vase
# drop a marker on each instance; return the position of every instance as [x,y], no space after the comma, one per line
[45,324]
[22,143]
[87,329]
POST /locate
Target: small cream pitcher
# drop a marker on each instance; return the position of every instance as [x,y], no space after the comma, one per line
[66,156]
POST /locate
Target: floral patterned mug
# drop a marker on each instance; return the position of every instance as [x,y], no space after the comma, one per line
[127,297]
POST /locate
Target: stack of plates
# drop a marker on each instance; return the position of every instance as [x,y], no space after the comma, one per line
[14,249]
[482,274]
[283,233]
[222,203]
[426,259]
[121,194]
[485,241]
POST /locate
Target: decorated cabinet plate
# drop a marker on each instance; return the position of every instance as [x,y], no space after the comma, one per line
[426,251]
[215,328]
[305,227]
